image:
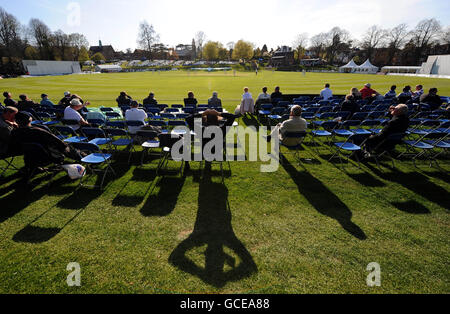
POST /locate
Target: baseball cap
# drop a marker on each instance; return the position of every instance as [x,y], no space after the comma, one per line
[66,93]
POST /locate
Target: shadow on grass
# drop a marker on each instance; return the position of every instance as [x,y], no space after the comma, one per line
[128,196]
[411,207]
[163,203]
[366,179]
[23,196]
[32,234]
[213,228]
[322,199]
[417,183]
[250,120]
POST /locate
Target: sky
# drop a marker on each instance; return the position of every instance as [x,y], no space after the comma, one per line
[271,22]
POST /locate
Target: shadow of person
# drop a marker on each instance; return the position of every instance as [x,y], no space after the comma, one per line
[322,199]
[213,228]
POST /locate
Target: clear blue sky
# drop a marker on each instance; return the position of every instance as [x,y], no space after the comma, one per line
[271,22]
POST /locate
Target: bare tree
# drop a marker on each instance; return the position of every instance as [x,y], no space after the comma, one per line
[200,38]
[373,39]
[300,43]
[10,30]
[42,37]
[77,42]
[147,37]
[318,44]
[423,35]
[445,37]
[396,39]
[62,44]
[337,41]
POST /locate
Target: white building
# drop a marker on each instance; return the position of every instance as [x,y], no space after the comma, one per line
[108,68]
[39,67]
[436,65]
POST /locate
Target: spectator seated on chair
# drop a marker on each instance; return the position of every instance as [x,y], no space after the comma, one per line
[263,98]
[71,113]
[68,97]
[398,124]
[432,99]
[295,123]
[25,103]
[7,125]
[276,94]
[350,104]
[9,102]
[150,100]
[135,114]
[26,133]
[214,101]
[391,93]
[417,93]
[124,99]
[191,100]
[247,103]
[46,102]
[368,93]
[326,93]
[405,96]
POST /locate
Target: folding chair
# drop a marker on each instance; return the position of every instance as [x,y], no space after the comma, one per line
[93,161]
[348,146]
[113,115]
[116,124]
[100,137]
[327,128]
[8,160]
[149,143]
[425,146]
[386,147]
[67,134]
[166,142]
[120,138]
[295,148]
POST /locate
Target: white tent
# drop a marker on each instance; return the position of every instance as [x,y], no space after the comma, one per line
[367,67]
[107,68]
[349,67]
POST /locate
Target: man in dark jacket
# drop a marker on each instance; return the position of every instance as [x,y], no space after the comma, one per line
[432,99]
[9,102]
[150,100]
[398,124]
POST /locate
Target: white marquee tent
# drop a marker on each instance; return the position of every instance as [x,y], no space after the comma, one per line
[349,67]
[367,67]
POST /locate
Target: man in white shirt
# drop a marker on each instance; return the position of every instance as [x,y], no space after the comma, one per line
[135,114]
[247,103]
[71,113]
[326,93]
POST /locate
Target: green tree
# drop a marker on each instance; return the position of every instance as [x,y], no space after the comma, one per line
[83,55]
[31,53]
[98,57]
[243,50]
[211,51]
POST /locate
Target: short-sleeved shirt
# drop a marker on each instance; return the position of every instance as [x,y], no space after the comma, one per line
[326,93]
[135,114]
[72,114]
[367,92]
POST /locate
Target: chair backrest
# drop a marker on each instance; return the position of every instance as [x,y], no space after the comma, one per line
[135,123]
[64,129]
[86,147]
[342,114]
[376,114]
[327,115]
[113,114]
[283,104]
[172,110]
[177,106]
[176,123]
[106,109]
[266,107]
[325,109]
[329,125]
[96,121]
[167,116]
[116,124]
[147,134]
[69,122]
[115,132]
[350,123]
[431,123]
[157,123]
[370,123]
[93,132]
[359,115]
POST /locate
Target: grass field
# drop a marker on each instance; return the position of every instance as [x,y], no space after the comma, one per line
[310,228]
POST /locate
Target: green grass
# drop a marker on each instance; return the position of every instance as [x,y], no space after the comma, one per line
[310,228]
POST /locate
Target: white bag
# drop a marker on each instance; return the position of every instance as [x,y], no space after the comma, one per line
[75,171]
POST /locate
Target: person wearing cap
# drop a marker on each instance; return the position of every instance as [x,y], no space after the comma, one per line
[46,102]
[215,101]
[7,125]
[71,113]
[368,93]
[26,133]
[150,100]
[68,97]
[9,102]
[295,123]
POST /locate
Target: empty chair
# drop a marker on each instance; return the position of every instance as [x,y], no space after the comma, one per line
[120,138]
[67,134]
[100,137]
